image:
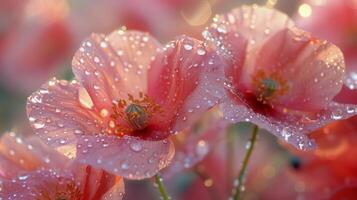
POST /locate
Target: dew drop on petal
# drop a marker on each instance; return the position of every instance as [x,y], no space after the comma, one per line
[201,51]
[188,47]
[135,146]
[124,165]
[350,110]
[248,144]
[96,59]
[24,177]
[103,45]
[38,125]
[202,148]
[336,114]
[104,112]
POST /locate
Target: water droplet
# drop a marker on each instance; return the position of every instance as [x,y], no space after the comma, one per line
[24,177]
[188,47]
[104,112]
[336,114]
[38,125]
[96,59]
[135,146]
[103,45]
[350,110]
[201,51]
[124,165]
[221,29]
[202,148]
[286,134]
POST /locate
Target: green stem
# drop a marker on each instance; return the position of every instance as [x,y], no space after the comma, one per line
[161,187]
[240,178]
[230,155]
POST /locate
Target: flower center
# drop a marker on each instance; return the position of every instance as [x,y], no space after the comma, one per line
[268,86]
[136,112]
[62,192]
[136,116]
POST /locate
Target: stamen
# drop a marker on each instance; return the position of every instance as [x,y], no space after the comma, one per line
[137,117]
[136,112]
[268,86]
[62,192]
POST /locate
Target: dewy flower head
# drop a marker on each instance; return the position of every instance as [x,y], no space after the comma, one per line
[132,94]
[278,76]
[335,21]
[30,170]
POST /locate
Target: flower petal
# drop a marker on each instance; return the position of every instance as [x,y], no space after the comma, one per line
[138,159]
[39,184]
[110,67]
[21,155]
[58,112]
[98,184]
[293,128]
[255,23]
[185,79]
[117,191]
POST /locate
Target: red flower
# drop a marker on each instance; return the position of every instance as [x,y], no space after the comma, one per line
[335,21]
[29,170]
[133,94]
[329,172]
[279,77]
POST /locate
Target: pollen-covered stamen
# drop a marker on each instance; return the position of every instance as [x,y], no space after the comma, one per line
[62,192]
[135,111]
[137,117]
[268,86]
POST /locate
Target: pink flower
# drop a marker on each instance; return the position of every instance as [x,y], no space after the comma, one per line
[30,170]
[132,94]
[38,33]
[277,76]
[335,21]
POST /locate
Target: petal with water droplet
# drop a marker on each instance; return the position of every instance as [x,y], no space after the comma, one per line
[112,72]
[138,159]
[59,129]
[186,82]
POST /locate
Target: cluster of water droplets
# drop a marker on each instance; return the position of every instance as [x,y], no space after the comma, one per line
[138,159]
[351,80]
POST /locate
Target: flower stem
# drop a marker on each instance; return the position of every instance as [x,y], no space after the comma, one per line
[240,178]
[230,155]
[161,187]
